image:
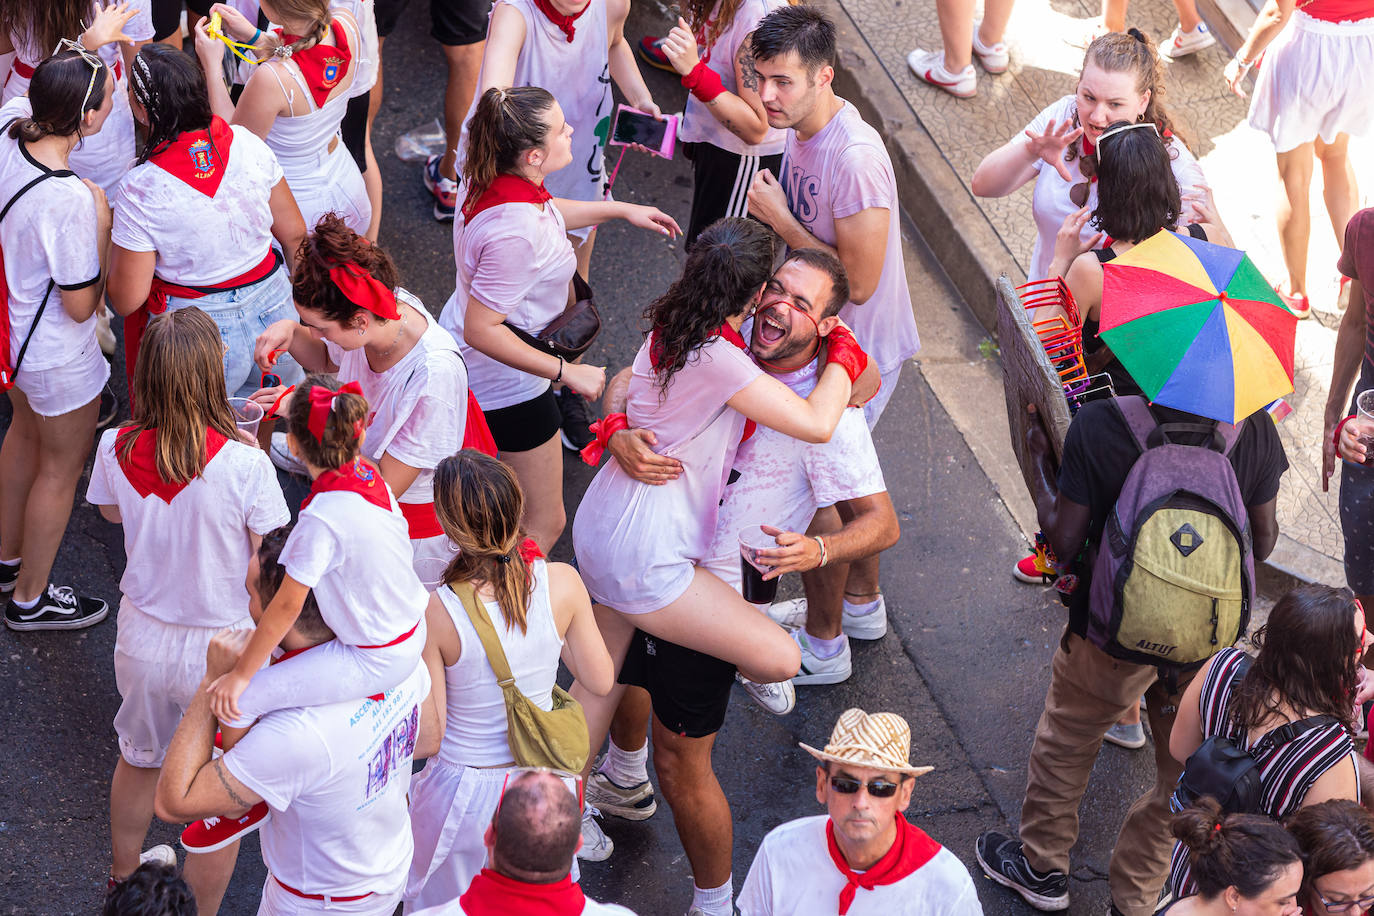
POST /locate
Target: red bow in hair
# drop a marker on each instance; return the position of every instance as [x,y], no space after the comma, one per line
[365,291]
[322,405]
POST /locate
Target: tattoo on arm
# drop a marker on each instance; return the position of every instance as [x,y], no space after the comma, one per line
[749,77]
[218,764]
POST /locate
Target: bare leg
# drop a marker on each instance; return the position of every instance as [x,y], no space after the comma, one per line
[372,180]
[63,444]
[1339,187]
[18,467]
[131,811]
[956,32]
[1132,716]
[862,585]
[464,66]
[629,727]
[208,874]
[996,15]
[701,812]
[1114,15]
[1294,216]
[540,471]
[1187,14]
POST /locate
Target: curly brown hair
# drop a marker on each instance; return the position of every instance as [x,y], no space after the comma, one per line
[330,245]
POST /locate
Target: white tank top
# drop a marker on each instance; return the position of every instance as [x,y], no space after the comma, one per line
[475,734]
[296,137]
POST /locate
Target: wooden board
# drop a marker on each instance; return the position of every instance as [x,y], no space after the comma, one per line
[1028,378]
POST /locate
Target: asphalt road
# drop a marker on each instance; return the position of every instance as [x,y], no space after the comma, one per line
[966,661]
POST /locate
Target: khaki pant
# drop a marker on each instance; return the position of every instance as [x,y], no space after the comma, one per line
[1089,691]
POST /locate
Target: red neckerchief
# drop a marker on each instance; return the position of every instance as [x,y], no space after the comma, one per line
[493,894]
[198,157]
[507,189]
[909,851]
[141,466]
[565,23]
[360,477]
[529,551]
[730,334]
[322,65]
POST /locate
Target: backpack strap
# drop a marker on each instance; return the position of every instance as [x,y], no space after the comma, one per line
[1292,730]
[1135,410]
[47,294]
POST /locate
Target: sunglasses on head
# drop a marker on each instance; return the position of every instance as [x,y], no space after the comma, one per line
[878,788]
[66,44]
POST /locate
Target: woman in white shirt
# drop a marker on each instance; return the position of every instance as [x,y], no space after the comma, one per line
[541,613]
[54,235]
[515,266]
[1122,80]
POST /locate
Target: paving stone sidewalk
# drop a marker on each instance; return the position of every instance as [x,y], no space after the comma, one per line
[1047,38]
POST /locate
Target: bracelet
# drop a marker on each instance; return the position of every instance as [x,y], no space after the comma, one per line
[824,558]
[559,377]
[1336,439]
[257,33]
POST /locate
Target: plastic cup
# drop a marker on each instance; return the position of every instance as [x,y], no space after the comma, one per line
[247,414]
[1364,422]
[756,589]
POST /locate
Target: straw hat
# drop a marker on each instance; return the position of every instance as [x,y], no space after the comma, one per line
[881,741]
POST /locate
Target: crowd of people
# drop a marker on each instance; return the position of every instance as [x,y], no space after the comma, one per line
[209,179]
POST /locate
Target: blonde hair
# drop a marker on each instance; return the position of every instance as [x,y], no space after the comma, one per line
[317,11]
[179,391]
[480,504]
[1134,52]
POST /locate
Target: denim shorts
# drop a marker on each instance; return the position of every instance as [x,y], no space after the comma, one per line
[242,314]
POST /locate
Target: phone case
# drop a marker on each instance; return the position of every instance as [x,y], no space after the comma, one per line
[669,134]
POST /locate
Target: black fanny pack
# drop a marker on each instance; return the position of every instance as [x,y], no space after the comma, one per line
[571,333]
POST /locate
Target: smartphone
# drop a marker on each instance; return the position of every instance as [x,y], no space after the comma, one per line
[635,126]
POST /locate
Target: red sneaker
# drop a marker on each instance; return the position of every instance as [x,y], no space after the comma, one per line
[218,832]
[1298,305]
[1027,571]
[650,50]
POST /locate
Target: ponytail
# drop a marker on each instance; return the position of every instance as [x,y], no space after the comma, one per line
[505,124]
[341,438]
[317,11]
[479,504]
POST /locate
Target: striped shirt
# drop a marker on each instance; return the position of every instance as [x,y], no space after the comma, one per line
[1287,771]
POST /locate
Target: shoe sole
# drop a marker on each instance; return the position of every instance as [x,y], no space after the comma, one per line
[860,628]
[442,215]
[667,68]
[80,624]
[1019,576]
[1171,54]
[598,855]
[1044,904]
[821,678]
[991,69]
[8,587]
[925,78]
[624,812]
[1128,745]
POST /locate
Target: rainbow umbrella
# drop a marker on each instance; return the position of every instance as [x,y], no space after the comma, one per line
[1198,327]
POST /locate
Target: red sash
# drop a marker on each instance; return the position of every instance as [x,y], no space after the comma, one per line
[565,23]
[156,304]
[360,477]
[730,334]
[141,466]
[422,520]
[493,894]
[477,434]
[909,851]
[507,189]
[198,157]
[322,66]
[23,69]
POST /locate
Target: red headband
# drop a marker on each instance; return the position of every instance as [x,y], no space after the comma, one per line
[365,291]
[322,405]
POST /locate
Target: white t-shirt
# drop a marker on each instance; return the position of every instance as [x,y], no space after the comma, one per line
[49,233]
[514,259]
[793,875]
[698,124]
[1050,202]
[153,210]
[335,778]
[357,557]
[841,170]
[201,539]
[783,481]
[419,405]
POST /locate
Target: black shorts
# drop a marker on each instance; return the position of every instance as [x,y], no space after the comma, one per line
[527,425]
[690,690]
[387,14]
[720,184]
[458,22]
[166,15]
[354,129]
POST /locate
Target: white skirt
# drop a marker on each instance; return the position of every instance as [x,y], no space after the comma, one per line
[327,182]
[1316,80]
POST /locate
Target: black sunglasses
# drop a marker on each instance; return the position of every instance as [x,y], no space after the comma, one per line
[878,788]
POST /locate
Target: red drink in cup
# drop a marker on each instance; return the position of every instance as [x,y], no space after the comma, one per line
[756,589]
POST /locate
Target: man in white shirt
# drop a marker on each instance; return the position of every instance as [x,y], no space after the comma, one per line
[837,192]
[530,845]
[334,776]
[864,858]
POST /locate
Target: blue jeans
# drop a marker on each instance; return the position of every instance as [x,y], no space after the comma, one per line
[241,315]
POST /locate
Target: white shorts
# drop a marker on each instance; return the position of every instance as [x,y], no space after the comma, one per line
[1316,80]
[158,668]
[72,385]
[873,410]
[279,902]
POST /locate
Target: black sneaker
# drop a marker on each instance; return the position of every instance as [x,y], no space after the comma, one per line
[8,576]
[58,609]
[1003,862]
[109,408]
[577,420]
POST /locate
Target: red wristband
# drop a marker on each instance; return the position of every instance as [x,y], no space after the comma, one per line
[603,430]
[703,82]
[1336,439]
[842,348]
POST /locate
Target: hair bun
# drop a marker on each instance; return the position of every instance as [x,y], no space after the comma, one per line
[1137,35]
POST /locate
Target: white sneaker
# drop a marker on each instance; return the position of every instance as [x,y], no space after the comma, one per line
[779,698]
[791,615]
[1181,43]
[596,846]
[161,855]
[994,58]
[633,803]
[929,66]
[281,456]
[815,670]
